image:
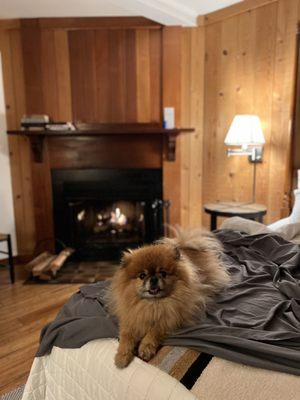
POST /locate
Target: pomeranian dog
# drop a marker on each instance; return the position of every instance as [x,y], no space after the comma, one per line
[162,287]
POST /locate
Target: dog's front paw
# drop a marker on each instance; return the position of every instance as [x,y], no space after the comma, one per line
[147,351]
[122,360]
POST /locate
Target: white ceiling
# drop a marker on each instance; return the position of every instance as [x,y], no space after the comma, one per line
[60,8]
[167,12]
[206,6]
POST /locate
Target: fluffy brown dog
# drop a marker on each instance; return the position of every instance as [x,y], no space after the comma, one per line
[161,287]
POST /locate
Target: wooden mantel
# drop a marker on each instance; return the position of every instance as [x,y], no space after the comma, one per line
[37,137]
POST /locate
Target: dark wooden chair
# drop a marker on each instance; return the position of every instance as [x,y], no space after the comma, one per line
[6,238]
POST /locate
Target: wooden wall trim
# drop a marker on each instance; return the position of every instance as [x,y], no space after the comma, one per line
[171,97]
[91,23]
[231,11]
[183,89]
[195,90]
[10,24]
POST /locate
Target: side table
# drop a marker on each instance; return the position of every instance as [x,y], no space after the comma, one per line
[234,209]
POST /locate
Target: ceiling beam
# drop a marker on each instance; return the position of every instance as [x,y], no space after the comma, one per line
[166,12]
[82,23]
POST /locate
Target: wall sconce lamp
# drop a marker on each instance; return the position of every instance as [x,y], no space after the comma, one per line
[246,133]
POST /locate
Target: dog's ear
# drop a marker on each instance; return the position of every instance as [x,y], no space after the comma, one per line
[126,257]
[177,253]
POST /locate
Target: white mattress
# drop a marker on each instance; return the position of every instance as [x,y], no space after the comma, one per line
[89,373]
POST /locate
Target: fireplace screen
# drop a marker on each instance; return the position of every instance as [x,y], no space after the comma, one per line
[98,222]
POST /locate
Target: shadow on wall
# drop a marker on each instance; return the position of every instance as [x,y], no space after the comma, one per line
[7,218]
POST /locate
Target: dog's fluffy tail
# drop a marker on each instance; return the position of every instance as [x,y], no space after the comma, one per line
[204,250]
[194,239]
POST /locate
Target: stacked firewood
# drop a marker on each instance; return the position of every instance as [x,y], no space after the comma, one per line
[46,265]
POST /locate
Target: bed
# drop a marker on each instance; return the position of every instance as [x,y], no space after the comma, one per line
[89,373]
[236,352]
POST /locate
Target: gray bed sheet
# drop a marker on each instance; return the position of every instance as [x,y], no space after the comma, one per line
[256,321]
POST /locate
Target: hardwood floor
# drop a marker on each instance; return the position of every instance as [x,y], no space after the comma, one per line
[24,310]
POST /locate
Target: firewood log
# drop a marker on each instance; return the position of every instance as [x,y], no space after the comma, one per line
[37,260]
[45,277]
[59,260]
[42,266]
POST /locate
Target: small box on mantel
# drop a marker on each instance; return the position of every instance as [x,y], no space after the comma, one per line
[34,121]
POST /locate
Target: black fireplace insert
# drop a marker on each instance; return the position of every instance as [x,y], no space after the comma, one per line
[101,212]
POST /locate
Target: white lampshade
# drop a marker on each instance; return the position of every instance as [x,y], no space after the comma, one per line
[245,130]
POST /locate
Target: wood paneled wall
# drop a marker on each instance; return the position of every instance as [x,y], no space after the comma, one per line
[296,122]
[116,75]
[250,59]
[13,79]
[240,60]
[93,74]
[102,70]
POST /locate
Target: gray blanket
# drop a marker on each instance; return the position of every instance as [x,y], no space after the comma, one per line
[256,321]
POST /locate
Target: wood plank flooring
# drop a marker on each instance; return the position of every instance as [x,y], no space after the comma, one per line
[24,310]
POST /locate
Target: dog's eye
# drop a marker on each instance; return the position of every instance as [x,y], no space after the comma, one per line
[163,274]
[142,275]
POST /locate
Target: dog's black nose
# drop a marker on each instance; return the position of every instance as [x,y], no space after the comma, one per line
[153,281]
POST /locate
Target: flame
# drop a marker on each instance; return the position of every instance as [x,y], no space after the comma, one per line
[81,215]
[116,217]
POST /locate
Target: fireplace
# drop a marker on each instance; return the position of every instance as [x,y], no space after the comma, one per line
[101,212]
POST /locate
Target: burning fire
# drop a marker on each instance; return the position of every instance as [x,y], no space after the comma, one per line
[112,221]
[116,217]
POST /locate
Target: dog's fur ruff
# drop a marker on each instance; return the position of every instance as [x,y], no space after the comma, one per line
[194,274]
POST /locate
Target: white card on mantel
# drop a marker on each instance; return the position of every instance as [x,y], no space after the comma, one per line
[169,117]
